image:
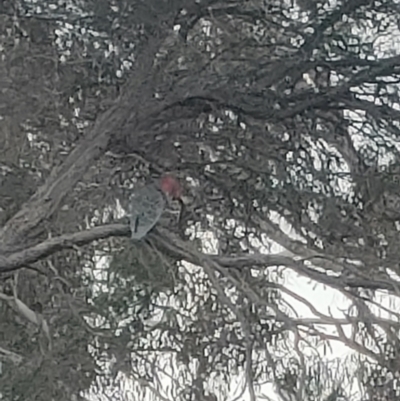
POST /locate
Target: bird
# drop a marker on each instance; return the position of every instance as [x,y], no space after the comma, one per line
[146,204]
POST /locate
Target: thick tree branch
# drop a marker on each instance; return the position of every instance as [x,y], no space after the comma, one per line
[128,109]
[182,250]
[62,179]
[67,241]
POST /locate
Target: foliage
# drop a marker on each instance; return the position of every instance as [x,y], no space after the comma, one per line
[280,120]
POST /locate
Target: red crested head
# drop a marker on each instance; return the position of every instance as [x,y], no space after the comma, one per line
[170,186]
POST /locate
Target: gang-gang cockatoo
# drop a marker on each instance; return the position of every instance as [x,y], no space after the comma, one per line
[147,204]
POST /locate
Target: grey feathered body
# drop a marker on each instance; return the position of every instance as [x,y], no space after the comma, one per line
[145,209]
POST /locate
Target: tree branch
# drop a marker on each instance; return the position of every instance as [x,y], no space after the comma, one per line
[125,110]
[187,251]
[67,241]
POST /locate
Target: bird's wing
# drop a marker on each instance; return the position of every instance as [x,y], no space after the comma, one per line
[146,207]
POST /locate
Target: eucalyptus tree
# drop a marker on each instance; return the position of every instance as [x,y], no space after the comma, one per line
[280,121]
